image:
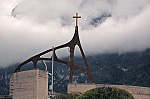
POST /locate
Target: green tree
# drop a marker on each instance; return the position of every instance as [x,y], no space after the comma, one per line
[105,93]
[99,93]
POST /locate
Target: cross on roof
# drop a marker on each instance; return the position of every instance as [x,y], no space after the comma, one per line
[76,18]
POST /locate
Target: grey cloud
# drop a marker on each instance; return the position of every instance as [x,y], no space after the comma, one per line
[40,24]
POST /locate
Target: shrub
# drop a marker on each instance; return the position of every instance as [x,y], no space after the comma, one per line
[105,93]
[98,93]
[66,96]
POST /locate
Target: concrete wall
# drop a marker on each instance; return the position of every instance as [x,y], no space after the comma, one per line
[30,84]
[136,91]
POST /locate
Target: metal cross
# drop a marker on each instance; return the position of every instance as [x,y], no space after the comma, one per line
[76,18]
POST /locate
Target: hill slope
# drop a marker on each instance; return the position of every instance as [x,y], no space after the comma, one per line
[128,68]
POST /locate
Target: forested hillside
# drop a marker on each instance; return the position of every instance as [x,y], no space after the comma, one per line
[129,68]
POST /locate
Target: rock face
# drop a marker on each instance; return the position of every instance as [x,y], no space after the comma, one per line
[136,91]
[30,84]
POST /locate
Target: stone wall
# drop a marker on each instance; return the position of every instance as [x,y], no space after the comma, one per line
[30,84]
[136,91]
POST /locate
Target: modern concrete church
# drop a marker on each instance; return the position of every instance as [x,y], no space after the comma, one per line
[33,84]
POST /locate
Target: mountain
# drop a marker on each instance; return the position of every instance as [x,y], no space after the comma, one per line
[128,68]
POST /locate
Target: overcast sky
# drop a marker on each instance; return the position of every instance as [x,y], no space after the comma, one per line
[28,27]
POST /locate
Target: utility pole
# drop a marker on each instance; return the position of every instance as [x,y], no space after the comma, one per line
[51,74]
[52,67]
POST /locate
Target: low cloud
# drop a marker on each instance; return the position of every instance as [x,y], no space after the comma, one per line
[29,27]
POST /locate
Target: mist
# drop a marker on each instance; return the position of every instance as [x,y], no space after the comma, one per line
[28,27]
